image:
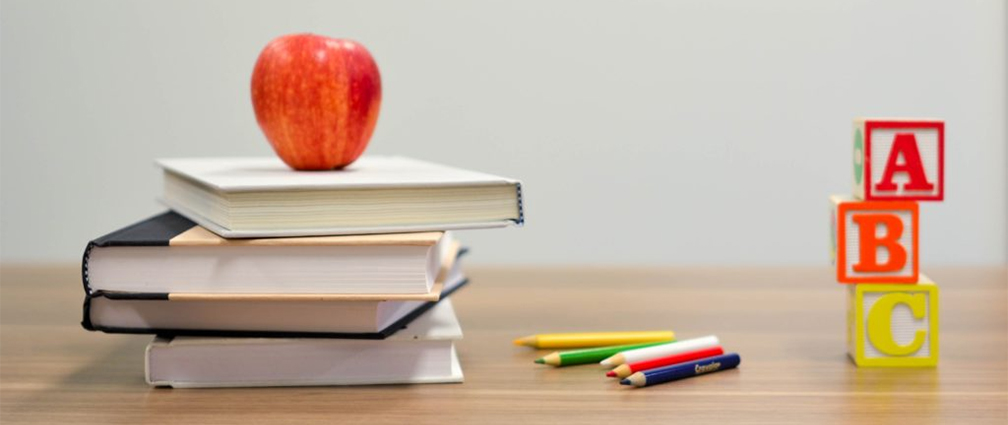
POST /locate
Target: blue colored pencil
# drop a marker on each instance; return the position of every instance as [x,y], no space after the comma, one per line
[683,370]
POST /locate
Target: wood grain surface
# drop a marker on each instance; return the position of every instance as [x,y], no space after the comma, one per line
[787,324]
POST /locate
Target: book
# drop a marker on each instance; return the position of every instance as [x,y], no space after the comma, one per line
[372,317]
[169,254]
[262,197]
[424,352]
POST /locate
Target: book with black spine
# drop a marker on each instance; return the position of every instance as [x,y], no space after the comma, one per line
[226,287]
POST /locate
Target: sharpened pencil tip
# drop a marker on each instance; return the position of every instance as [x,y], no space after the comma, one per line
[605,362]
[624,381]
[610,374]
[540,361]
[526,341]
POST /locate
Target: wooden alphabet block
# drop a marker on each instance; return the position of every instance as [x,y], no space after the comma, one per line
[893,325]
[875,242]
[899,159]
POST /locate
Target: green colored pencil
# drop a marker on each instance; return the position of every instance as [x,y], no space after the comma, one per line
[590,355]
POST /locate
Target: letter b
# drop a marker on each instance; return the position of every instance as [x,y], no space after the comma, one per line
[875,241]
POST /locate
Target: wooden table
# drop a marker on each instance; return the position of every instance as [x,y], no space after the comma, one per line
[787,324]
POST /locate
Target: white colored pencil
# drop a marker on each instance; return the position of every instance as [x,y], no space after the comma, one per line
[656,351]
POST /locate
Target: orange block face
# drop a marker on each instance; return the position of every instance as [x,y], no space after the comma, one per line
[876,242]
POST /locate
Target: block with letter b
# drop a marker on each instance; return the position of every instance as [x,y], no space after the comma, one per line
[899,159]
[875,242]
[893,325]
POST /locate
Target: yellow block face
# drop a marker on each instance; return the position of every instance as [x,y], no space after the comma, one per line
[893,325]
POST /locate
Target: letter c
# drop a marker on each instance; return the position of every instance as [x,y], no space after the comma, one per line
[880,323]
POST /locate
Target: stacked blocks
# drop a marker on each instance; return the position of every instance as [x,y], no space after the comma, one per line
[892,310]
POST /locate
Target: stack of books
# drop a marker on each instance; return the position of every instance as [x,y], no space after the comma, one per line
[264,276]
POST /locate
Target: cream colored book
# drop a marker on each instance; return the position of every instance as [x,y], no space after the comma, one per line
[169,254]
[262,197]
[368,317]
[424,352]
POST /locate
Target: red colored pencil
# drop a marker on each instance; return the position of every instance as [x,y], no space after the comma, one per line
[627,369]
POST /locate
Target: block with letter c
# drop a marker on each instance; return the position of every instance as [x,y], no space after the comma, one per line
[875,242]
[893,325]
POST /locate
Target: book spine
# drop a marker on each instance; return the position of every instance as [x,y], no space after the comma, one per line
[154,231]
[86,319]
[521,205]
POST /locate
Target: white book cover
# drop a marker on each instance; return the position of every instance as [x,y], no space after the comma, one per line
[424,352]
[262,197]
[270,173]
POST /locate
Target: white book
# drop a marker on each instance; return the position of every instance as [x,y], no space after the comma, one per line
[168,254]
[422,353]
[262,197]
[372,317]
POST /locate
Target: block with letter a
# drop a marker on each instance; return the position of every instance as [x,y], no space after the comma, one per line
[875,242]
[893,325]
[899,159]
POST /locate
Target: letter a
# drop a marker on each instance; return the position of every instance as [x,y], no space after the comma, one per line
[904,144]
[869,243]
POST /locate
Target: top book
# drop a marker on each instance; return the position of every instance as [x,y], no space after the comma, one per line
[262,197]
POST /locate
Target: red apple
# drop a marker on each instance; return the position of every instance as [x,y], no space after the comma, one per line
[316,98]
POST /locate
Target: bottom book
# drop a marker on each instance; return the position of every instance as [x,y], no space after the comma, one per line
[424,352]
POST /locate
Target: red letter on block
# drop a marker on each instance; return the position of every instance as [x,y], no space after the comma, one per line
[869,242]
[899,159]
[904,144]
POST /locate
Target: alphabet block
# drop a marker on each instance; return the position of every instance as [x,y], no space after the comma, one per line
[899,159]
[893,325]
[875,242]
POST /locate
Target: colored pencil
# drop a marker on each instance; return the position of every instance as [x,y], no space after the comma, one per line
[683,370]
[626,369]
[588,355]
[649,353]
[594,339]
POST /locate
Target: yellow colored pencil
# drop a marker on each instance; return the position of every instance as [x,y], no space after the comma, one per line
[593,339]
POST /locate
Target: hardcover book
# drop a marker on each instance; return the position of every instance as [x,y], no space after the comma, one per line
[358,317]
[169,254]
[262,197]
[422,353]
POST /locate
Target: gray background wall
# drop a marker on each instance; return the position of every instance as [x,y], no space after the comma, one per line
[689,132]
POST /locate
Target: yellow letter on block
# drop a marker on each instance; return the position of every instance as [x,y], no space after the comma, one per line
[893,325]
